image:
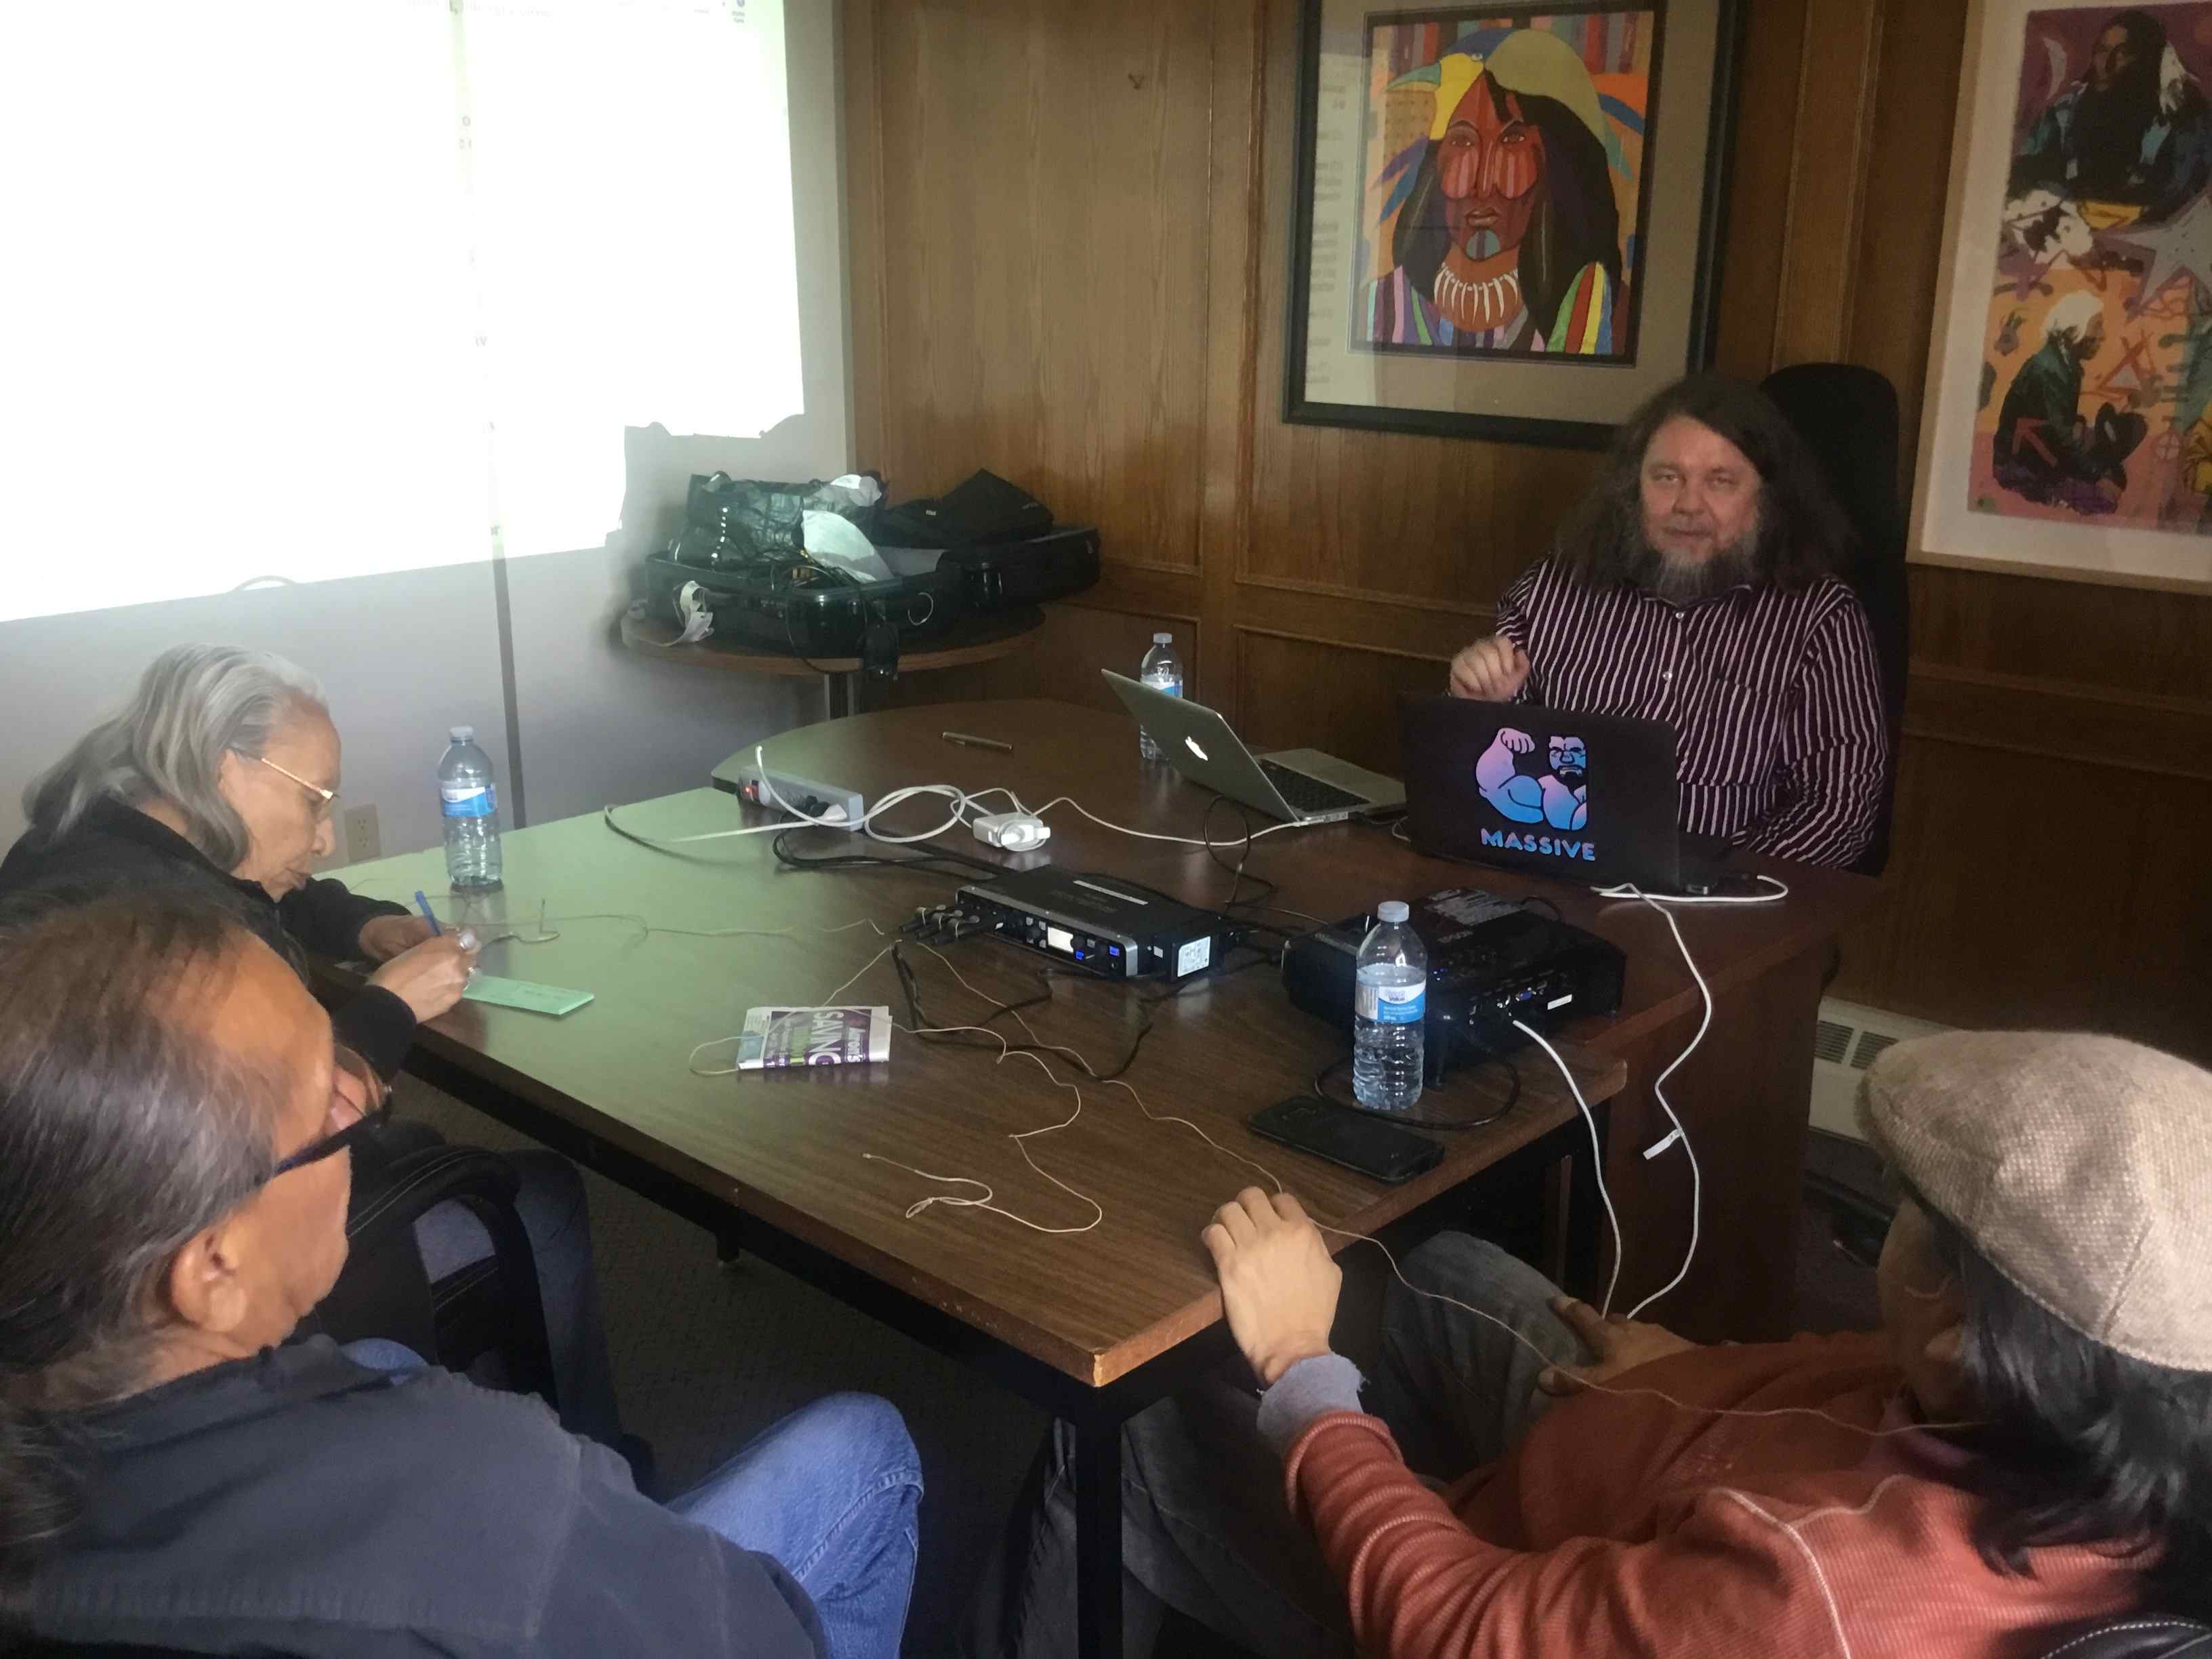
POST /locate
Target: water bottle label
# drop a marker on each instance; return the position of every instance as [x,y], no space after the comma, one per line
[467,800]
[1391,1004]
[1173,689]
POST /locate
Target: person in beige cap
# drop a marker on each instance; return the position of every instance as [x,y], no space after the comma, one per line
[2024,1448]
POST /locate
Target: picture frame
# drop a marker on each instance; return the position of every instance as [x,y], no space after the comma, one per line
[1508,221]
[2066,424]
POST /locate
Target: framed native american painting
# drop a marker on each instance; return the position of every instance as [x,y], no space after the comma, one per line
[2066,429]
[1507,221]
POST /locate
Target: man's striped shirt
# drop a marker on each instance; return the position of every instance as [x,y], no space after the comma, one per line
[1775,698]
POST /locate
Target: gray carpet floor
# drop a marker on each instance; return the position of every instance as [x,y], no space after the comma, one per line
[706,1356]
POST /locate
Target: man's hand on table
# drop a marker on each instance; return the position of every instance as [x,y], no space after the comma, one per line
[1279,1285]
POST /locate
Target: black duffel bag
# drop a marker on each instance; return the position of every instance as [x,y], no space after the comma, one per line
[985,509]
[730,523]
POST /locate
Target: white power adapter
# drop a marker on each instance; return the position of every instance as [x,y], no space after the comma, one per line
[1013,832]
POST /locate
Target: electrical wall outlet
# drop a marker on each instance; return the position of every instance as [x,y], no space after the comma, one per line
[362,840]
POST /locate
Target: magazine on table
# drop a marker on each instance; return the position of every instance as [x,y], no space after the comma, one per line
[776,1037]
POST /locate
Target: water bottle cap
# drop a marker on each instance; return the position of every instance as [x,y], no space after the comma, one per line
[464,734]
[1162,639]
[1392,910]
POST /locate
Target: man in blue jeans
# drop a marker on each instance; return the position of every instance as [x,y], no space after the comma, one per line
[174,1128]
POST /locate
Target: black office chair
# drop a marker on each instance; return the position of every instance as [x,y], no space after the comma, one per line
[1848,417]
[2136,1636]
[487,1319]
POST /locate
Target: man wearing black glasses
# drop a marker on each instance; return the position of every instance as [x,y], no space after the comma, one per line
[174,1128]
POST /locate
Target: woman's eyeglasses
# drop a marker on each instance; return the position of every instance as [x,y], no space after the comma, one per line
[360,1100]
[324,798]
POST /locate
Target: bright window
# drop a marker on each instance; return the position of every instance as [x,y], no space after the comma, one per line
[308,288]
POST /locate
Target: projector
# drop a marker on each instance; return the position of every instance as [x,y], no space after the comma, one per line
[1491,961]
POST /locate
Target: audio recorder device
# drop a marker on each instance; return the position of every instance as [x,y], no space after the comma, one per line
[1100,924]
[1491,961]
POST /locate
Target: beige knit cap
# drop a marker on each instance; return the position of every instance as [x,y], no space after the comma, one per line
[2080,1166]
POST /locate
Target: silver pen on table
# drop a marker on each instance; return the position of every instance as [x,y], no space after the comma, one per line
[967,741]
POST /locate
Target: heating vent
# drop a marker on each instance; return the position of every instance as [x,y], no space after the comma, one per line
[1845,1040]
[1871,1043]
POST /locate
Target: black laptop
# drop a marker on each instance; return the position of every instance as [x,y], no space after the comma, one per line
[1583,798]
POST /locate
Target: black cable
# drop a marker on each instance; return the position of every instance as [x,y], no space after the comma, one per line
[1282,910]
[1240,874]
[1236,871]
[1260,958]
[1146,1004]
[790,634]
[1388,819]
[1512,1098]
[931,855]
[922,1022]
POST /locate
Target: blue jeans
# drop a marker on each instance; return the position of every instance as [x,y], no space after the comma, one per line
[831,1492]
[1204,1526]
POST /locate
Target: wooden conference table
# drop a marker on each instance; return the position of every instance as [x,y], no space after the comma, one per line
[1107,1300]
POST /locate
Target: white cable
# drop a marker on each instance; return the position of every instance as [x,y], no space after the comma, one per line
[670,843]
[1147,835]
[1597,1156]
[1659,1087]
[963,802]
[1629,889]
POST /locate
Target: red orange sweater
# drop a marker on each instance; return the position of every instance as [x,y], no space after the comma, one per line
[1626,1524]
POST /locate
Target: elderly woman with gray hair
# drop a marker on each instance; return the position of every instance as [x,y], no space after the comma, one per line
[220,776]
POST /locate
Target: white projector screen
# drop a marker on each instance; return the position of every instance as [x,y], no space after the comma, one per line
[308,290]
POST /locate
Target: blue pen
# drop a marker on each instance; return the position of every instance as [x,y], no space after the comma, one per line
[423,905]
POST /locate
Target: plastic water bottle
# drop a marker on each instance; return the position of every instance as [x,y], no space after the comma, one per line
[1162,672]
[470,801]
[1390,994]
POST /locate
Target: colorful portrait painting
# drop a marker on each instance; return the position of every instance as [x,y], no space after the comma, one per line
[2095,401]
[1504,189]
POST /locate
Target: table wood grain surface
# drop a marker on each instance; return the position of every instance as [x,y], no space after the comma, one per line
[818,1154]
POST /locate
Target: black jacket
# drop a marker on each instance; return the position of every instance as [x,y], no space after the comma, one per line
[297,1503]
[118,847]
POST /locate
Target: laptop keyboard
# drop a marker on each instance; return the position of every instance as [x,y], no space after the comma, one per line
[1308,794]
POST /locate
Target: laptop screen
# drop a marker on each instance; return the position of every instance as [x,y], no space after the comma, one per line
[1583,797]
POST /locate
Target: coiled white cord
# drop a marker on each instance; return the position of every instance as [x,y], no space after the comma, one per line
[963,801]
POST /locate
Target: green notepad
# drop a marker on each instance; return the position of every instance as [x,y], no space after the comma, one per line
[524,993]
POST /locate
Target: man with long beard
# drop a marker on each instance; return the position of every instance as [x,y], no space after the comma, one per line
[1697,585]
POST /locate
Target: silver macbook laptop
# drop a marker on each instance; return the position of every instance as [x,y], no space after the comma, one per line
[1299,785]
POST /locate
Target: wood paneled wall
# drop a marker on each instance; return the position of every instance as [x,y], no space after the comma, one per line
[1069,230]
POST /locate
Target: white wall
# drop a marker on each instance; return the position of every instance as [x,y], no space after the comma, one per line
[402,657]
[405,656]
[598,724]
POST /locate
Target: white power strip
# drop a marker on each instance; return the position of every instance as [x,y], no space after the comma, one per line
[820,800]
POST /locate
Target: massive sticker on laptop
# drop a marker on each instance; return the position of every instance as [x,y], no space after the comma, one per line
[1524,787]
